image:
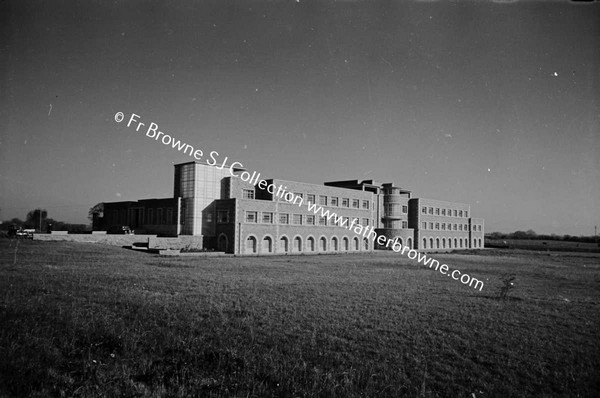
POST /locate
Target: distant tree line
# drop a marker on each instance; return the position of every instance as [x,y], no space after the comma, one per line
[38,219]
[532,235]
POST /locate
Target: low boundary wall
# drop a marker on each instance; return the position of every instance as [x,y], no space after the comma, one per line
[150,241]
[115,240]
[186,242]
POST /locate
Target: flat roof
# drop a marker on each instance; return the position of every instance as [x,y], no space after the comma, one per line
[208,165]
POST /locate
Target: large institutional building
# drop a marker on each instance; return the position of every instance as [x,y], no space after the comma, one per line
[235,212]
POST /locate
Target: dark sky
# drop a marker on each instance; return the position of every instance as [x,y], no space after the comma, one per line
[496,105]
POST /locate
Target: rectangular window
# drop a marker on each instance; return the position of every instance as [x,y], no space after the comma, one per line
[222,217]
[455,213]
[345,202]
[334,201]
[248,194]
[404,224]
[310,220]
[437,226]
[170,216]
[150,216]
[284,218]
[430,225]
[159,216]
[424,225]
[267,218]
[466,213]
[455,227]
[443,212]
[299,195]
[322,221]
[431,210]
[404,209]
[251,216]
[437,211]
[297,219]
[460,213]
[365,204]
[443,226]
[460,227]
[311,198]
[355,203]
[365,222]
[465,227]
[424,210]
[323,200]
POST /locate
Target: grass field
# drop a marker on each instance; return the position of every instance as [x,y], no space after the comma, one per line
[85,320]
[543,245]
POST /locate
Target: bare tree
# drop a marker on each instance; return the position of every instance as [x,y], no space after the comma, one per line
[96,209]
[37,219]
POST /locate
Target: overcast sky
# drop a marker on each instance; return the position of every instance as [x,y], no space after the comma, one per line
[495,105]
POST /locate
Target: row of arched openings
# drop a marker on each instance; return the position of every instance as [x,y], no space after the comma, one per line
[334,244]
[299,245]
[449,243]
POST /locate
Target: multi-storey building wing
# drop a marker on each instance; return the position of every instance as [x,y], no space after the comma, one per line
[252,220]
[445,225]
[236,215]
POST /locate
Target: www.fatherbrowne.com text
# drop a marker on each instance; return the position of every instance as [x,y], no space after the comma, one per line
[253,178]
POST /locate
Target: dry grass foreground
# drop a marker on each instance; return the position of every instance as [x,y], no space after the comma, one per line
[84,320]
